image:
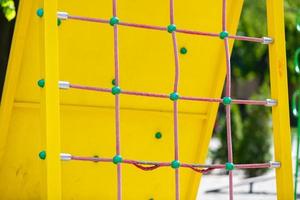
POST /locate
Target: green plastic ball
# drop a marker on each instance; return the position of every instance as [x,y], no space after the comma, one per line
[175,164]
[229,166]
[171,28]
[224,34]
[227,100]
[113,21]
[117,159]
[174,96]
[116,90]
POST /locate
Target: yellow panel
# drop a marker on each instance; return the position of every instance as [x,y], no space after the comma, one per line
[50,103]
[85,56]
[279,88]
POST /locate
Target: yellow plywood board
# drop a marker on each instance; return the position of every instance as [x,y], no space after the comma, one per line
[85,53]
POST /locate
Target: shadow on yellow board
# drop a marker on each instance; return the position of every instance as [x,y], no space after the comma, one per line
[87,118]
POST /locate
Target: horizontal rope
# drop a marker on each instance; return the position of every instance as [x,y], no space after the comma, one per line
[264,40]
[187,98]
[151,165]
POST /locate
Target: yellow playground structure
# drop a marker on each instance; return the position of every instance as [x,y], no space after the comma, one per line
[115,99]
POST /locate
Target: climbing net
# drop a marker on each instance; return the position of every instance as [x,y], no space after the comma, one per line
[175,97]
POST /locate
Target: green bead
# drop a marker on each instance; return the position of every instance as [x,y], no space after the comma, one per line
[158,135]
[171,28]
[117,159]
[116,90]
[42,155]
[224,34]
[175,164]
[41,83]
[40,12]
[229,166]
[183,50]
[58,22]
[113,21]
[226,100]
[174,96]
[113,82]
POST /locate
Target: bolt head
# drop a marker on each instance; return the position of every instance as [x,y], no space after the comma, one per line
[158,135]
[42,155]
[183,50]
[58,22]
[40,12]
[41,83]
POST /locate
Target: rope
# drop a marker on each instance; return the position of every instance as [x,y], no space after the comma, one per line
[228,95]
[117,101]
[166,96]
[175,103]
[146,168]
[162,28]
[149,166]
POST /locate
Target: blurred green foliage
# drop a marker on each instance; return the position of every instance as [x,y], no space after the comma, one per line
[251,125]
[8,8]
[251,137]
[254,146]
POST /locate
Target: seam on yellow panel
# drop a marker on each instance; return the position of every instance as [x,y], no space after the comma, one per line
[23,104]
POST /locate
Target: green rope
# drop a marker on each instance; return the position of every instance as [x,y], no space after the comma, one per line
[294,103]
[296,60]
[296,98]
[298,21]
[294,107]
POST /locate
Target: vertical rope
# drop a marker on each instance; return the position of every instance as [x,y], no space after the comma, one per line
[114,8]
[172,12]
[176,82]
[176,145]
[117,102]
[224,21]
[228,94]
[175,103]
